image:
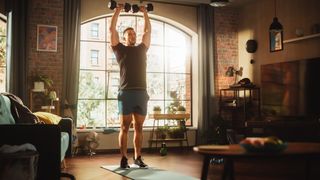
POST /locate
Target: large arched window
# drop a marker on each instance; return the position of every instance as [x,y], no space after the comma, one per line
[168,70]
[3,44]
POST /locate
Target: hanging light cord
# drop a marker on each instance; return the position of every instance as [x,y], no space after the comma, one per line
[275,8]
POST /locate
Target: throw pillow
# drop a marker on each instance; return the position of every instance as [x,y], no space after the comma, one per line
[48,118]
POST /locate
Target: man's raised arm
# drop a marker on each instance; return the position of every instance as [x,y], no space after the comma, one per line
[146,37]
[114,36]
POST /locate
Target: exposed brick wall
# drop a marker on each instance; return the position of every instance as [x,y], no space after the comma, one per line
[226,45]
[47,12]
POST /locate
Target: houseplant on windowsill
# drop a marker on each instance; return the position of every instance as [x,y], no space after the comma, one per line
[156,110]
[181,110]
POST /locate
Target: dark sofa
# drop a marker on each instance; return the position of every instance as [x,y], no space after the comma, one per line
[47,139]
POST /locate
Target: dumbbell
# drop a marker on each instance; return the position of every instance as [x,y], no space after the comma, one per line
[112,5]
[136,8]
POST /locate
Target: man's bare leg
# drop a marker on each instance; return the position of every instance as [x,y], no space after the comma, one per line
[138,134]
[137,138]
[125,121]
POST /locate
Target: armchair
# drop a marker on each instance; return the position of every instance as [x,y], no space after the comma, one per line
[47,139]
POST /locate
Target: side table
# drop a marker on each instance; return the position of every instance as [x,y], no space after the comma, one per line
[38,102]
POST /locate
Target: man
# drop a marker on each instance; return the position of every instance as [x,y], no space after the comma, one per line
[133,97]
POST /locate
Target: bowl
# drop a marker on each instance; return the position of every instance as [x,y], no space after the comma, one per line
[269,148]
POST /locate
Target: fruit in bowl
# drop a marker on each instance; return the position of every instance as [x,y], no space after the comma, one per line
[263,144]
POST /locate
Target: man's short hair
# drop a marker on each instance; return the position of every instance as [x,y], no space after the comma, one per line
[127,29]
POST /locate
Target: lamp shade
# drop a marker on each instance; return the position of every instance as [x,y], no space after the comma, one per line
[219,3]
[275,25]
[276,35]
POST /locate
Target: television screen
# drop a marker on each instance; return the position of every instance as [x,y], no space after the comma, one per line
[291,88]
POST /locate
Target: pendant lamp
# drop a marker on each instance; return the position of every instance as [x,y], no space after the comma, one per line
[219,3]
[276,32]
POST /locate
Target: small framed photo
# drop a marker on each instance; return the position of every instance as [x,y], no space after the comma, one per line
[47,38]
[276,40]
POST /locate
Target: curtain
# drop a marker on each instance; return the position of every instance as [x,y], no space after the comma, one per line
[71,56]
[206,71]
[16,48]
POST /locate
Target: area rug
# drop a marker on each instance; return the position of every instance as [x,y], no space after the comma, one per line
[150,173]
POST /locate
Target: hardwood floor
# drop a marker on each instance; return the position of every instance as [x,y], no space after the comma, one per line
[189,163]
[85,167]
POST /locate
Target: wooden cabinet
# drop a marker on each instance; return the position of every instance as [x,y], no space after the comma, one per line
[172,120]
[239,104]
[39,101]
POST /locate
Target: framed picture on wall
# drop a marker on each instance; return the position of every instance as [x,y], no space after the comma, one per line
[47,38]
[276,40]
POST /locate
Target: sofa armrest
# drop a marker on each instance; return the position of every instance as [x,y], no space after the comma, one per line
[45,137]
[65,125]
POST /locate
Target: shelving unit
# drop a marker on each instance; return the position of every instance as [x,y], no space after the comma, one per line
[38,102]
[166,117]
[302,38]
[239,102]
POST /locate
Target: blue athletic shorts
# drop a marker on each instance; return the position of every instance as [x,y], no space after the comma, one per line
[133,101]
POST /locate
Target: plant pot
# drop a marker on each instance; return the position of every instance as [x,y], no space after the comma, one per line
[38,86]
[156,112]
[180,112]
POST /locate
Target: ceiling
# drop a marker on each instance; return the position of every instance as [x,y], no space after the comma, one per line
[234,3]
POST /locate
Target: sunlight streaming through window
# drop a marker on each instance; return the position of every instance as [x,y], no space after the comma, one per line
[168,70]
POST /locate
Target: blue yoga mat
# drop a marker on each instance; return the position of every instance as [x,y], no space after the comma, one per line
[150,173]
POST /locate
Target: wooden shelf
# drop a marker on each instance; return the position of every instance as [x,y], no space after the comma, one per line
[302,38]
[169,139]
[164,117]
[38,102]
[169,116]
[241,106]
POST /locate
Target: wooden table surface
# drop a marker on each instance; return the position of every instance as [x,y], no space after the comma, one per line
[232,152]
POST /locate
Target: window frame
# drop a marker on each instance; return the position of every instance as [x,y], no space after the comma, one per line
[94,30]
[4,66]
[94,58]
[191,59]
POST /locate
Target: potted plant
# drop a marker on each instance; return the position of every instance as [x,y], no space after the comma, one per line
[162,131]
[181,110]
[42,81]
[156,110]
[176,132]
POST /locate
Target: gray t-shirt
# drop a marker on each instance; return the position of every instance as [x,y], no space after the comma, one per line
[132,62]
